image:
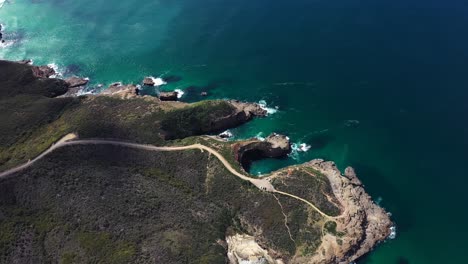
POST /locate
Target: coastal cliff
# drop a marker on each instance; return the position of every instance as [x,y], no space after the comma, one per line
[117,204]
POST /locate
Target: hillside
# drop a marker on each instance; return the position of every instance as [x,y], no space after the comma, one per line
[103,203]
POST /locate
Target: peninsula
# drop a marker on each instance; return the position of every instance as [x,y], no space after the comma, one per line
[118,177]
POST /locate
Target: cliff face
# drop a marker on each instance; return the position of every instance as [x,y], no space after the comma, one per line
[274,146]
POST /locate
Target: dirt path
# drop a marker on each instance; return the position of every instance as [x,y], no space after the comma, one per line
[70,140]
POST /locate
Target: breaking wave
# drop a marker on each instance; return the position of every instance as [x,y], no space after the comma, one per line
[297,149]
[180,93]
[260,136]
[158,81]
[393,232]
[57,69]
[226,135]
[263,104]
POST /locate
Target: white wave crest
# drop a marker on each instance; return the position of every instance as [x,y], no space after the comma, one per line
[393,232]
[263,104]
[226,134]
[260,137]
[180,93]
[57,69]
[297,149]
[158,81]
[6,44]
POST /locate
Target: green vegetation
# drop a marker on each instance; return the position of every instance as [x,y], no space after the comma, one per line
[102,247]
[318,189]
[69,258]
[32,121]
[194,120]
[110,204]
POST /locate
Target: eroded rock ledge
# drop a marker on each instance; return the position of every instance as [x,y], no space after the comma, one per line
[274,146]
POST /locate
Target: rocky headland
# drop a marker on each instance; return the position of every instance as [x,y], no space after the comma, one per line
[112,204]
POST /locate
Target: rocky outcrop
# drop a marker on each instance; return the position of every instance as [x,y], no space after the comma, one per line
[122,91]
[168,96]
[363,223]
[43,71]
[148,81]
[151,81]
[76,81]
[22,78]
[274,146]
[242,113]
[249,109]
[244,249]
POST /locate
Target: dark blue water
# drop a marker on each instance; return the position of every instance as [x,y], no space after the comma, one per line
[378,85]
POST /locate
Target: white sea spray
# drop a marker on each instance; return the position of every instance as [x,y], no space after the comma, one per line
[158,81]
[270,110]
[180,93]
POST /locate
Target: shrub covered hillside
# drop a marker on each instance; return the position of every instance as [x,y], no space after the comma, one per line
[33,118]
[108,204]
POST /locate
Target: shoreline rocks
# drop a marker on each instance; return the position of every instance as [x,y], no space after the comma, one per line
[365,223]
[76,81]
[168,96]
[241,114]
[122,91]
[274,146]
[42,71]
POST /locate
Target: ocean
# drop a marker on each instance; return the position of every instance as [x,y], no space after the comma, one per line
[378,85]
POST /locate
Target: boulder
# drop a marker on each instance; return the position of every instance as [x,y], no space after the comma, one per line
[43,71]
[148,81]
[168,96]
[76,81]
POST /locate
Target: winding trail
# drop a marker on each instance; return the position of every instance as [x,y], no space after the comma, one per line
[71,140]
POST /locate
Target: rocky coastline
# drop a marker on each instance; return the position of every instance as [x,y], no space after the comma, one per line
[274,146]
[361,225]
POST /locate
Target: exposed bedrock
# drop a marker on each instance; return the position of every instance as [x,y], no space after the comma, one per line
[76,81]
[122,91]
[242,113]
[148,81]
[168,96]
[43,71]
[364,222]
[274,146]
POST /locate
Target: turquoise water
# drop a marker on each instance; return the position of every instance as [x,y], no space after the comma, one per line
[378,85]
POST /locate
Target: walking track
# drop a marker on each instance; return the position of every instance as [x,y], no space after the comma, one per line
[70,140]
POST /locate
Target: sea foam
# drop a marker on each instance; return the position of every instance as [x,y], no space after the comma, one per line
[297,149]
[393,232]
[263,104]
[57,69]
[158,81]
[180,93]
